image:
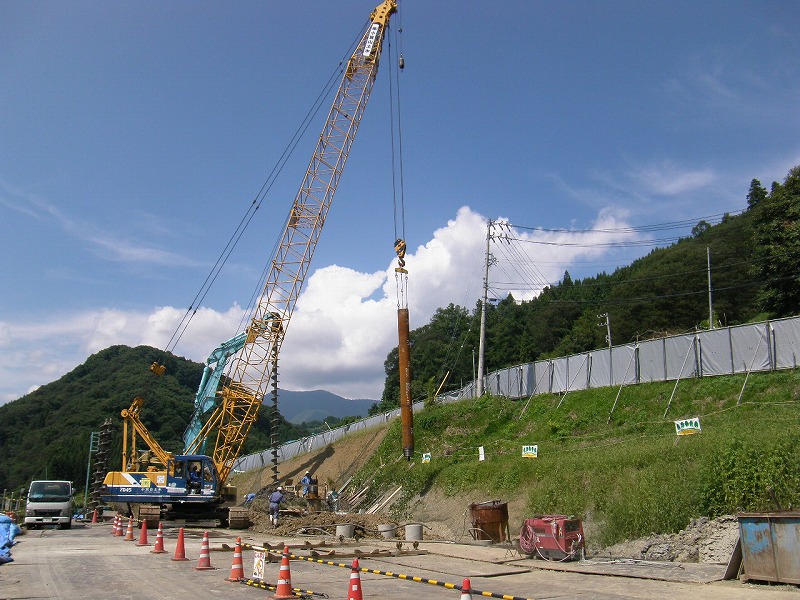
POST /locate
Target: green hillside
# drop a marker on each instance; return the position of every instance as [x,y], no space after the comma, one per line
[629,475]
[754,258]
[46,433]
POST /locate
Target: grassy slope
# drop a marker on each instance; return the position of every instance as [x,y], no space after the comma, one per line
[631,476]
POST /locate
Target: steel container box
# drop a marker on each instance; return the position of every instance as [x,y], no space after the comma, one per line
[771,546]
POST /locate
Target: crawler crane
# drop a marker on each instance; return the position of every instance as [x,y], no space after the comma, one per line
[158,484]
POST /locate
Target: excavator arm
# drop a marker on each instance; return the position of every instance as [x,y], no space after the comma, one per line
[254,365]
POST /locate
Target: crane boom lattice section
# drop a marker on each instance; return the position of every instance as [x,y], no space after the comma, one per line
[252,367]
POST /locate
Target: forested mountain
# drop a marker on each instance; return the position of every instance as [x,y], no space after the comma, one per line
[46,433]
[754,258]
[754,266]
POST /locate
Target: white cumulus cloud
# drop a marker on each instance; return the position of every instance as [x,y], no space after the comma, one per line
[343,327]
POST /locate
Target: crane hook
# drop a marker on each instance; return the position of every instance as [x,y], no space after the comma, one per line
[400,248]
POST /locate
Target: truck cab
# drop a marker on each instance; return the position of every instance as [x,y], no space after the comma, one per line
[49,503]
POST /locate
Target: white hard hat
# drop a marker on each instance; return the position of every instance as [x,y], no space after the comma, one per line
[280,488]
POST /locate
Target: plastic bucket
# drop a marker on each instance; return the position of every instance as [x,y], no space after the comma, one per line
[414,531]
[387,530]
[345,530]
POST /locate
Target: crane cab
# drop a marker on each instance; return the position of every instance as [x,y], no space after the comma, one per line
[193,475]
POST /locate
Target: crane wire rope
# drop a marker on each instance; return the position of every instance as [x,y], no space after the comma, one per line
[253,207]
[401,276]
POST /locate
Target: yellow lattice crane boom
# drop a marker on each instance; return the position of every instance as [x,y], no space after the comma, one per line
[252,367]
[193,482]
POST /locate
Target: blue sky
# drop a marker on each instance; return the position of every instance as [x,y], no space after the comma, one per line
[133,136]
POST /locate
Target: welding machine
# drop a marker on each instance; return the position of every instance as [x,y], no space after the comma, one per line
[553,537]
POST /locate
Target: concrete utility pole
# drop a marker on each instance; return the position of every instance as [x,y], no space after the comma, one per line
[710,305]
[607,323]
[482,342]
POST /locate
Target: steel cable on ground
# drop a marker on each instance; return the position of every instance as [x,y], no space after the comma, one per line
[436,582]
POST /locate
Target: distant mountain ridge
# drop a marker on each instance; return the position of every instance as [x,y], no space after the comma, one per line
[46,433]
[317,405]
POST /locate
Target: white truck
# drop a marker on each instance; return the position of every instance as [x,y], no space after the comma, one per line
[49,503]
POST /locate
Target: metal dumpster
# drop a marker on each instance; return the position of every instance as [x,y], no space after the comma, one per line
[771,546]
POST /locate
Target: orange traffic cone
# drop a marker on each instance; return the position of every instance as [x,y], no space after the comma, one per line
[354,593]
[159,547]
[466,590]
[94,516]
[143,535]
[129,533]
[115,527]
[237,568]
[204,562]
[180,550]
[284,588]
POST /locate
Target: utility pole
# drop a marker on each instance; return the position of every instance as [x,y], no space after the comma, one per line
[607,323]
[482,342]
[608,339]
[710,305]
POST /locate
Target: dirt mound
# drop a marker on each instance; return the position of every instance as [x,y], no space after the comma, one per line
[333,465]
[314,524]
[704,540]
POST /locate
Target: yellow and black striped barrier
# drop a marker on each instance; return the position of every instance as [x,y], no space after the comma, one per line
[296,591]
[450,586]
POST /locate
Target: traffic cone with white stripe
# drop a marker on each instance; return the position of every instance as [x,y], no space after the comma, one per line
[466,590]
[143,535]
[204,561]
[115,527]
[284,589]
[129,533]
[237,568]
[180,549]
[354,593]
[159,547]
[94,516]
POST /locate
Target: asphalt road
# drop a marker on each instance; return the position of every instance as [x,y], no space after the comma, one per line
[87,562]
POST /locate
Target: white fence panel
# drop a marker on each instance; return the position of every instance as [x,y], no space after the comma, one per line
[785,336]
[751,348]
[624,365]
[600,375]
[680,352]
[715,352]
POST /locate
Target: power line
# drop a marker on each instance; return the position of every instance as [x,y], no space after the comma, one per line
[665,226]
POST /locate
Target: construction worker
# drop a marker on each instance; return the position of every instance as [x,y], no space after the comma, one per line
[307,482]
[275,500]
[195,481]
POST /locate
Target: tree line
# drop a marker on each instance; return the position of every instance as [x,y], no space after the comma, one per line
[755,277]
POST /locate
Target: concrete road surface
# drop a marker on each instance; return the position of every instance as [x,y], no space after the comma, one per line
[87,562]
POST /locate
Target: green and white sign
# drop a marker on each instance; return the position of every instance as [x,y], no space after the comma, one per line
[688,426]
[530,451]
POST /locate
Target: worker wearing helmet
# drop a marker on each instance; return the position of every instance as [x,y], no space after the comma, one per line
[275,500]
[308,481]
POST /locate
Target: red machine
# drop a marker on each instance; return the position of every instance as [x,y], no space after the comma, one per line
[553,537]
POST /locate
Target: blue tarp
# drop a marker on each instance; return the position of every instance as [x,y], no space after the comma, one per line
[8,531]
